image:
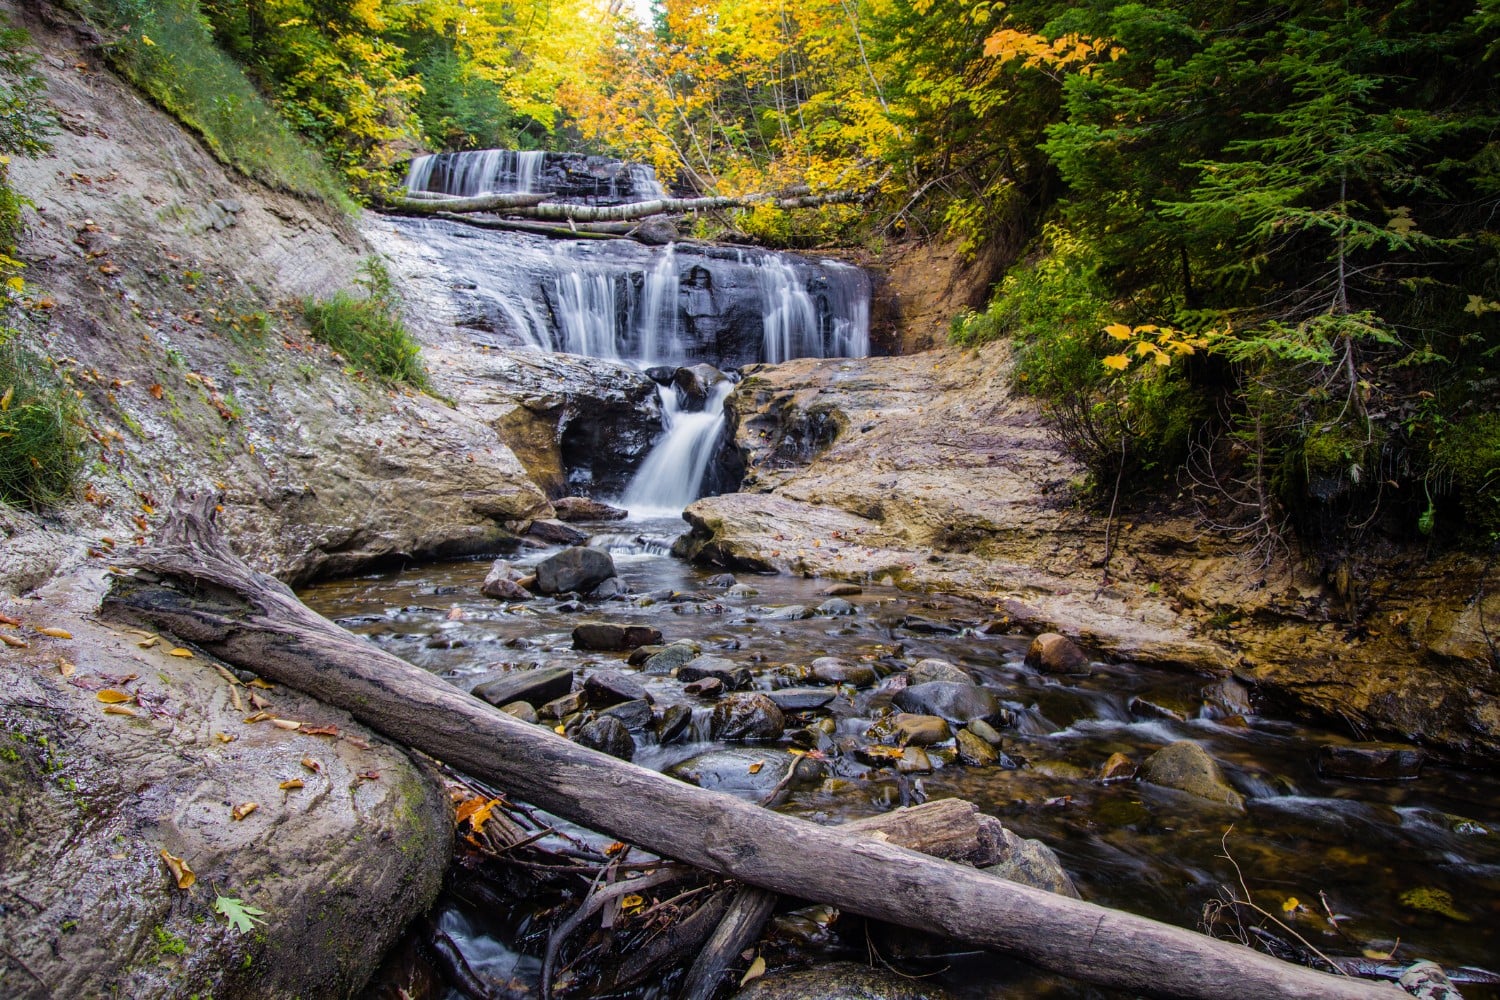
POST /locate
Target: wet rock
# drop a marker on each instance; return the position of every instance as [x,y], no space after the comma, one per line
[556,532]
[975,751]
[1187,767]
[914,760]
[521,710]
[840,981]
[609,637]
[741,591]
[936,670]
[835,606]
[721,580]
[1144,709]
[746,770]
[747,716]
[571,608]
[578,569]
[500,583]
[1371,761]
[704,687]
[1228,698]
[674,723]
[1118,768]
[843,590]
[948,700]
[676,655]
[641,654]
[636,714]
[1032,863]
[727,672]
[585,509]
[985,731]
[607,734]
[613,587]
[801,699]
[929,626]
[560,708]
[1056,654]
[834,670]
[535,686]
[920,730]
[610,687]
[785,612]
[696,382]
[1428,981]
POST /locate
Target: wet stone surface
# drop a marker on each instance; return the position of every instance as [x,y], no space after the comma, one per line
[1028,746]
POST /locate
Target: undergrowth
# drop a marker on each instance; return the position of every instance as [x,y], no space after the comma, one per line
[367,330]
[39,429]
[166,48]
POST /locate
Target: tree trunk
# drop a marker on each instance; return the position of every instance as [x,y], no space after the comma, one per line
[536,206]
[254,621]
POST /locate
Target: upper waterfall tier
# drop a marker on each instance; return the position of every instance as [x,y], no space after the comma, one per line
[617,299]
[568,177]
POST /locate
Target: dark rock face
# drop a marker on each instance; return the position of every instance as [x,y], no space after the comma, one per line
[536,687]
[747,716]
[726,672]
[555,531]
[607,734]
[584,509]
[610,687]
[635,714]
[576,569]
[1371,761]
[948,700]
[801,699]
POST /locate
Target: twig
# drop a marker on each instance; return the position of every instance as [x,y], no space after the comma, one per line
[1247,901]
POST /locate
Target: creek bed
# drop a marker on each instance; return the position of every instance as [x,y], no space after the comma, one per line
[1416,860]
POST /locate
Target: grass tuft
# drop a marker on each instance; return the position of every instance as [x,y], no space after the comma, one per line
[39,430]
[368,330]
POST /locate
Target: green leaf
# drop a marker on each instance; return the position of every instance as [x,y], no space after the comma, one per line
[242,916]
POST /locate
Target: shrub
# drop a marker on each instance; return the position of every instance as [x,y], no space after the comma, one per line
[1468,455]
[367,330]
[40,432]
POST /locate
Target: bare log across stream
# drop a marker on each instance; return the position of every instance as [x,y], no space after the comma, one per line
[210,597]
[536,206]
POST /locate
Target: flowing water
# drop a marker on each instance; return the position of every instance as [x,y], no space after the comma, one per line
[1417,861]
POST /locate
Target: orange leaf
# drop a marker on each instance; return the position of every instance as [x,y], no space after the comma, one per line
[64,667]
[186,654]
[56,633]
[11,640]
[180,870]
[321,730]
[155,390]
[112,697]
[225,737]
[243,809]
[311,764]
[290,784]
[368,775]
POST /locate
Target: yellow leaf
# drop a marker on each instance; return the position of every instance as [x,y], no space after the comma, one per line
[1143,348]
[225,737]
[5,399]
[16,284]
[56,633]
[1119,331]
[64,667]
[119,710]
[1162,358]
[180,870]
[1291,905]
[286,724]
[290,784]
[186,654]
[264,685]
[147,40]
[258,717]
[755,768]
[244,809]
[1119,362]
[756,970]
[148,643]
[112,697]
[633,903]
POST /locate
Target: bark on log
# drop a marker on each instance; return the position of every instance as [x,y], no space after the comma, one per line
[253,620]
[536,206]
[428,205]
[739,929]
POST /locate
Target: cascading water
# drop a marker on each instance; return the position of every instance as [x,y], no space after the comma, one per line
[485,171]
[671,477]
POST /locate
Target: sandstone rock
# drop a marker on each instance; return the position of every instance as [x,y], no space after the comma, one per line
[1187,767]
[585,509]
[610,637]
[537,686]
[1118,768]
[834,670]
[1371,761]
[521,710]
[975,751]
[843,590]
[607,735]
[556,532]
[920,730]
[959,703]
[563,706]
[937,670]
[578,569]
[985,731]
[1056,654]
[610,687]
[747,716]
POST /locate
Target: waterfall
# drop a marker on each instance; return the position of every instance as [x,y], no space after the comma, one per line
[484,171]
[789,317]
[846,310]
[587,313]
[657,327]
[672,474]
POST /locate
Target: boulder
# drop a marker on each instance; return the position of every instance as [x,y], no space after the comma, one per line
[578,569]
[949,700]
[730,674]
[746,770]
[609,637]
[636,714]
[936,670]
[920,730]
[500,583]
[834,670]
[610,687]
[671,658]
[836,606]
[1187,767]
[696,382]
[704,687]
[985,731]
[843,590]
[556,532]
[1118,768]
[1032,863]
[585,509]
[521,710]
[613,587]
[747,716]
[1371,761]
[607,734]
[537,686]
[801,699]
[1056,654]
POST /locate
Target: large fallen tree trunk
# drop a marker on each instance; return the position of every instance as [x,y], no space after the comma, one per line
[533,206]
[254,621]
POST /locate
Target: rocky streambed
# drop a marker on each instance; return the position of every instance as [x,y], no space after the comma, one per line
[836,702]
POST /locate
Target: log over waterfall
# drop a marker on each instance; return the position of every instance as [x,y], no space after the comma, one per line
[536,206]
[198,589]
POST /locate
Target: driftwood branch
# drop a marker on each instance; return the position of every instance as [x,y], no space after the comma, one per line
[252,620]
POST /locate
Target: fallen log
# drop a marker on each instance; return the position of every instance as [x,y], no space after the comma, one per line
[425,204]
[198,589]
[536,206]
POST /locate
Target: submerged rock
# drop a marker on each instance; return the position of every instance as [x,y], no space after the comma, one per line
[747,716]
[920,730]
[840,981]
[585,509]
[1371,761]
[675,655]
[834,670]
[974,751]
[575,569]
[1056,654]
[609,637]
[801,699]
[746,770]
[936,670]
[1187,767]
[1118,768]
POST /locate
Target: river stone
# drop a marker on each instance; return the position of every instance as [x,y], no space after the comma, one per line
[674,723]
[948,700]
[732,675]
[747,716]
[986,732]
[696,381]
[936,670]
[1427,980]
[840,981]
[835,606]
[1141,708]
[609,637]
[704,687]
[741,590]
[584,509]
[1228,698]
[636,714]
[1032,863]
[607,734]
[834,670]
[1118,768]
[974,751]
[521,710]
[784,612]
[1187,767]
[613,587]
[734,769]
[671,658]
[801,699]
[914,760]
[1056,654]
[560,708]
[500,583]
[550,530]
[843,590]
[929,626]
[1370,761]
[610,687]
[721,580]
[920,730]
[537,686]
[575,569]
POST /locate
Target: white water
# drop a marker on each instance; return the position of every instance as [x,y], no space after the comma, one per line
[659,327]
[484,171]
[671,476]
[791,318]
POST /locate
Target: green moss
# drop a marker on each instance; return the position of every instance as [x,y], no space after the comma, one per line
[167,943]
[1468,455]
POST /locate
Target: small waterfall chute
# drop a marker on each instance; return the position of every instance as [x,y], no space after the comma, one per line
[672,475]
